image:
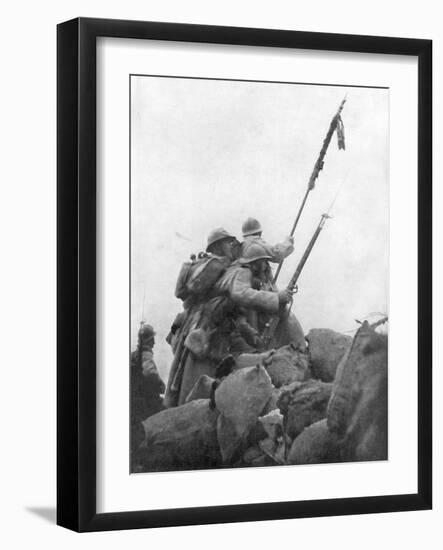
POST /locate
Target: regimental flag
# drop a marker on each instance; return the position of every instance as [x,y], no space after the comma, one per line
[340,133]
[336,124]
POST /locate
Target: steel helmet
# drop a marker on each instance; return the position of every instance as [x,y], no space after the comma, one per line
[217,235]
[251,226]
[146,331]
[254,252]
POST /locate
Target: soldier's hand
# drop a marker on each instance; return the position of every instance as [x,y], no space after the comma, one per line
[284,296]
[290,238]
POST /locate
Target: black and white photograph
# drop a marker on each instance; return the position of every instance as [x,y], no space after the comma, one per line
[259,273]
[220,294]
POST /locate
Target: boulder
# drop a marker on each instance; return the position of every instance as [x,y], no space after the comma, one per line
[257,432]
[251,359]
[326,349]
[255,457]
[304,404]
[202,388]
[142,407]
[276,393]
[357,411]
[272,401]
[315,445]
[180,438]
[286,365]
[240,398]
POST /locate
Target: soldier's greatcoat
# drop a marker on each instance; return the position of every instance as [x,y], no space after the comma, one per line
[146,389]
[186,368]
[238,284]
[235,296]
[259,301]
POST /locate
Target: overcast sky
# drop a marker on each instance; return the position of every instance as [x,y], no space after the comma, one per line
[208,153]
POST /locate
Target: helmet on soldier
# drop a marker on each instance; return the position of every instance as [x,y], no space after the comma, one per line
[253,253]
[217,235]
[146,331]
[250,227]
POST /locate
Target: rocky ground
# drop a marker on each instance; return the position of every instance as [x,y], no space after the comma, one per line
[327,405]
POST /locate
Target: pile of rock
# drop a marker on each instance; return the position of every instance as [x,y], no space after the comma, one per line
[325,405]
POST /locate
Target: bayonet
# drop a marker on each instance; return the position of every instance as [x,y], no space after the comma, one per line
[271,326]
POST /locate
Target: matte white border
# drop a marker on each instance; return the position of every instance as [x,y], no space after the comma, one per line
[116,489]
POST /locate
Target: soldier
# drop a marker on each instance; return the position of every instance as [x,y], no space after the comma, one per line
[189,335]
[248,284]
[222,244]
[197,277]
[252,234]
[146,384]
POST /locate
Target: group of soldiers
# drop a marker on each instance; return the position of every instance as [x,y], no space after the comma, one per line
[232,309]
[228,298]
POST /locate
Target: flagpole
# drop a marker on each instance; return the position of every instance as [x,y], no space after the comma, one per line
[293,230]
[336,124]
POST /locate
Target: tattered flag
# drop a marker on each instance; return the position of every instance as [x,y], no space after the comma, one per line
[340,133]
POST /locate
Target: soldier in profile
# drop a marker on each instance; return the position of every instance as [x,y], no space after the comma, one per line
[248,284]
[252,235]
[189,336]
[146,384]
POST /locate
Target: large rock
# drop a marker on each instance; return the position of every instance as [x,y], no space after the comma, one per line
[240,398]
[315,445]
[326,349]
[272,401]
[183,437]
[251,359]
[202,388]
[303,404]
[255,457]
[357,411]
[287,365]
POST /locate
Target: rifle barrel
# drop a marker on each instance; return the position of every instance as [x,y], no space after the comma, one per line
[272,324]
[307,253]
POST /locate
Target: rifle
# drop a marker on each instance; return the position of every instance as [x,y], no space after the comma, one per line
[142,322]
[336,124]
[285,309]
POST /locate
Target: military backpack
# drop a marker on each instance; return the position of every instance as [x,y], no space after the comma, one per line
[198,275]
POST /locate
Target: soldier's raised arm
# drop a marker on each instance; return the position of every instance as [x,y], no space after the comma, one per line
[280,251]
[252,234]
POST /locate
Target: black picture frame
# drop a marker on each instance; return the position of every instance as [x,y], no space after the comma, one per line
[76,280]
